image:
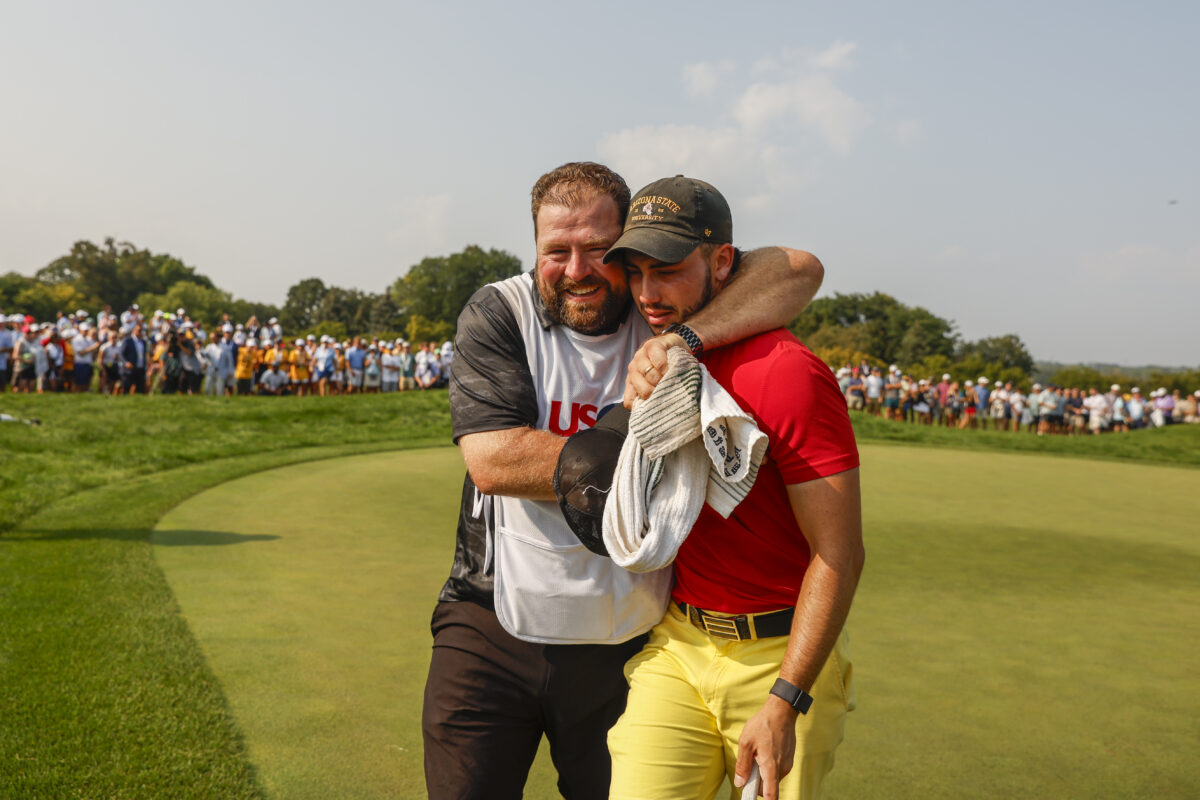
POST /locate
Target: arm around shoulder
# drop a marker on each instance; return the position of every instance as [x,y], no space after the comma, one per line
[771,286]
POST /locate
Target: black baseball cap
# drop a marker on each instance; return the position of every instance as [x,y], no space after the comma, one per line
[583,476]
[669,218]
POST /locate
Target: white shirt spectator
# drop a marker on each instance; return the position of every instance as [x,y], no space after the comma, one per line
[273,380]
[391,368]
[80,344]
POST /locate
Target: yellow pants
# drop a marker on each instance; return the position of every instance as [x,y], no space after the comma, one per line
[691,694]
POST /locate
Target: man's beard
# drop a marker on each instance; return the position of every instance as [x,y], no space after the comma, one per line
[591,318]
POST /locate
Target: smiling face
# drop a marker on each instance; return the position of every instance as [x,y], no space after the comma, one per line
[577,287]
[670,293]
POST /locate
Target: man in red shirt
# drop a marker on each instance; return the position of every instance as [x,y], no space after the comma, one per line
[750,663]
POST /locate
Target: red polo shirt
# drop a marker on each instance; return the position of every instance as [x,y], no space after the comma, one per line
[755,560]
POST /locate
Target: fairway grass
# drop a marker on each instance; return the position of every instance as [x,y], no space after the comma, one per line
[1025,626]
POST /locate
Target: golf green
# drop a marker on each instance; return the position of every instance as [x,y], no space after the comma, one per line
[1025,625]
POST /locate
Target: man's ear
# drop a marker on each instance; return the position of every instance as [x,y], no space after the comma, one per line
[722,263]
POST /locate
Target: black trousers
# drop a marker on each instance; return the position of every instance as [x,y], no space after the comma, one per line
[490,697]
[135,378]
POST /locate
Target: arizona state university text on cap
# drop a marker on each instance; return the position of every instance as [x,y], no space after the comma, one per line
[670,217]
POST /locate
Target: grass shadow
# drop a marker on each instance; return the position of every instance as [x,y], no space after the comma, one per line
[185,538]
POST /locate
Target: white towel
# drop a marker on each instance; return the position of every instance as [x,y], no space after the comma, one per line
[689,432]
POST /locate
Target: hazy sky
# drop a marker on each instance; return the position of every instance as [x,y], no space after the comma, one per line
[1018,168]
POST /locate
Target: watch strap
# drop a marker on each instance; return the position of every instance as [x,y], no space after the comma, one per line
[689,338]
[794,696]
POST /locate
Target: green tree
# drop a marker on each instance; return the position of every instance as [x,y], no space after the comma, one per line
[11,285]
[302,308]
[438,287]
[202,303]
[420,329]
[1083,377]
[1007,350]
[117,273]
[878,324]
[42,300]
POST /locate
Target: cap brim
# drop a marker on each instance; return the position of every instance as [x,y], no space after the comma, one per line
[661,245]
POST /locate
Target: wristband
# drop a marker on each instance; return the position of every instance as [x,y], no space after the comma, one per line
[794,696]
[689,338]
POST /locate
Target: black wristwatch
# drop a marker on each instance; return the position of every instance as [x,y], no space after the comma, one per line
[794,696]
[689,337]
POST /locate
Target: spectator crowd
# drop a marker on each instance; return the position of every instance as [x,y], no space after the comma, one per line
[127,353]
[980,404]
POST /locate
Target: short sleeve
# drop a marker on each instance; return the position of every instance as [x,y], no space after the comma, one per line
[491,387]
[807,422]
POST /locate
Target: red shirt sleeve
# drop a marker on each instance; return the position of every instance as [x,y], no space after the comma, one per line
[803,412]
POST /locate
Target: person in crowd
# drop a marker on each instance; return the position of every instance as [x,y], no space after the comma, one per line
[87,349]
[843,379]
[110,363]
[172,364]
[408,380]
[1191,407]
[27,355]
[856,391]
[8,340]
[997,407]
[891,394]
[298,368]
[134,358]
[1018,412]
[1076,411]
[1120,409]
[356,360]
[325,363]
[970,406]
[247,362]
[337,381]
[1136,409]
[983,395]
[372,372]
[874,384]
[1096,410]
[189,359]
[390,364]
[274,382]
[1176,411]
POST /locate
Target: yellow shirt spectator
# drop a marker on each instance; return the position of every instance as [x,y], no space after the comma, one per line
[247,359]
[299,362]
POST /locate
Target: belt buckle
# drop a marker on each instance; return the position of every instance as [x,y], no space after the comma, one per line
[721,627]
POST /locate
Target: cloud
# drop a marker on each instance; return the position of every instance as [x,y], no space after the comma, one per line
[700,80]
[812,102]
[762,149]
[836,56]
[648,152]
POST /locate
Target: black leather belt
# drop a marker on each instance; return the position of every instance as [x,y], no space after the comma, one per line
[741,627]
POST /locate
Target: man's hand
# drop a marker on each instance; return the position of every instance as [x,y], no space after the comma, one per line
[648,366]
[770,739]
